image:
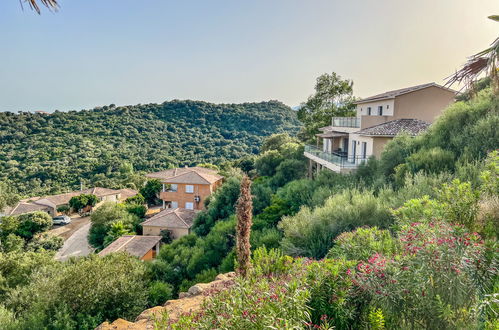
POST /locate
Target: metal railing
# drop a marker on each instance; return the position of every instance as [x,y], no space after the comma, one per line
[346,122]
[341,161]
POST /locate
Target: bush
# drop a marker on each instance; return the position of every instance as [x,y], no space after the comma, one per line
[45,241]
[310,233]
[159,293]
[434,160]
[64,209]
[331,296]
[151,191]
[460,203]
[362,243]
[412,290]
[270,262]
[102,220]
[166,236]
[137,200]
[113,287]
[258,303]
[12,243]
[33,223]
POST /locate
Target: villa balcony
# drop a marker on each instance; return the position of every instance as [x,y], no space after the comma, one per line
[336,161]
[351,122]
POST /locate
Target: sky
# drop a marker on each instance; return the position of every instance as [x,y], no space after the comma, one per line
[97,52]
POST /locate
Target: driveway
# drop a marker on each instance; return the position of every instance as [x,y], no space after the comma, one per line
[76,244]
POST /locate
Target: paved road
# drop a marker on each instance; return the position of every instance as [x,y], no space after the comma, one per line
[76,245]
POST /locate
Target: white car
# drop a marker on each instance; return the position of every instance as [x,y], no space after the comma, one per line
[61,220]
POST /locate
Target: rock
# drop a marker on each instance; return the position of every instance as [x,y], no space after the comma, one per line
[183,295]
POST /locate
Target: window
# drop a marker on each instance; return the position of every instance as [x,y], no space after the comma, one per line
[380,110]
[388,106]
[189,188]
[174,205]
[189,205]
[173,187]
[364,150]
[368,111]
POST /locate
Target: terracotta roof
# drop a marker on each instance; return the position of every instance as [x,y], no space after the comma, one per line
[24,207]
[187,175]
[172,218]
[126,193]
[394,127]
[398,92]
[41,203]
[134,245]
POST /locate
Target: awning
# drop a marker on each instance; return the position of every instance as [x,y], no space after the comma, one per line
[329,135]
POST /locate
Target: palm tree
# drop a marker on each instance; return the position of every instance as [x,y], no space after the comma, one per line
[33,4]
[484,61]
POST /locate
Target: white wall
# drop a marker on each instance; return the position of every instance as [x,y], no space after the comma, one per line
[358,139]
[388,108]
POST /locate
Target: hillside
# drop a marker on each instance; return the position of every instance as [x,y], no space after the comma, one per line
[51,153]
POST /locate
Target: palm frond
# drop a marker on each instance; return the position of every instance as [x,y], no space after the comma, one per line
[33,4]
[484,61]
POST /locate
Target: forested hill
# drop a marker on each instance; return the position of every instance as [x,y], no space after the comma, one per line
[42,153]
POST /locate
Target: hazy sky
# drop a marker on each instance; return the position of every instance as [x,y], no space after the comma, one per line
[98,52]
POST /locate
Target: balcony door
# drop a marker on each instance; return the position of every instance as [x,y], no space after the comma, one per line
[354,151]
[344,148]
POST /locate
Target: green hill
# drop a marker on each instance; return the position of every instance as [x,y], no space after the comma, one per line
[50,153]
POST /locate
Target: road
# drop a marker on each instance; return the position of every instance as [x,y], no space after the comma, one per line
[76,245]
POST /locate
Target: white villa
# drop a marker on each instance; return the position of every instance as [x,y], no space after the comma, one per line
[351,141]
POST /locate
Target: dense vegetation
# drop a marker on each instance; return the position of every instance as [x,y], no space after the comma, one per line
[106,146]
[380,234]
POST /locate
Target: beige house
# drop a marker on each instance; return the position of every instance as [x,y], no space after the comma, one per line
[187,187]
[178,221]
[142,247]
[351,141]
[50,204]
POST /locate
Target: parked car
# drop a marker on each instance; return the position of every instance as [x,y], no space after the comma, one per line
[61,220]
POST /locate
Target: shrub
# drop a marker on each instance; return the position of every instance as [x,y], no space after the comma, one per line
[151,190]
[258,303]
[460,203]
[166,236]
[310,233]
[33,223]
[64,209]
[362,243]
[412,290]
[205,276]
[330,293]
[12,243]
[45,241]
[137,200]
[81,201]
[159,293]
[102,220]
[113,287]
[270,262]
[434,160]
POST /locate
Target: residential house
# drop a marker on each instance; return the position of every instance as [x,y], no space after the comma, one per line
[178,221]
[50,204]
[142,247]
[187,187]
[351,141]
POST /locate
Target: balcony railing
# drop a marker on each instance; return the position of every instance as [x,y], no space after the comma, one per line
[343,161]
[346,122]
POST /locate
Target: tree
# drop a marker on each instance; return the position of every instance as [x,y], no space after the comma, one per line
[136,200]
[79,202]
[118,229]
[484,61]
[7,197]
[243,229]
[151,191]
[33,223]
[50,4]
[102,220]
[333,97]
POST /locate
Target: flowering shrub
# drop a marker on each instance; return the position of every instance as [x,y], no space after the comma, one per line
[437,282]
[330,293]
[256,303]
[361,243]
